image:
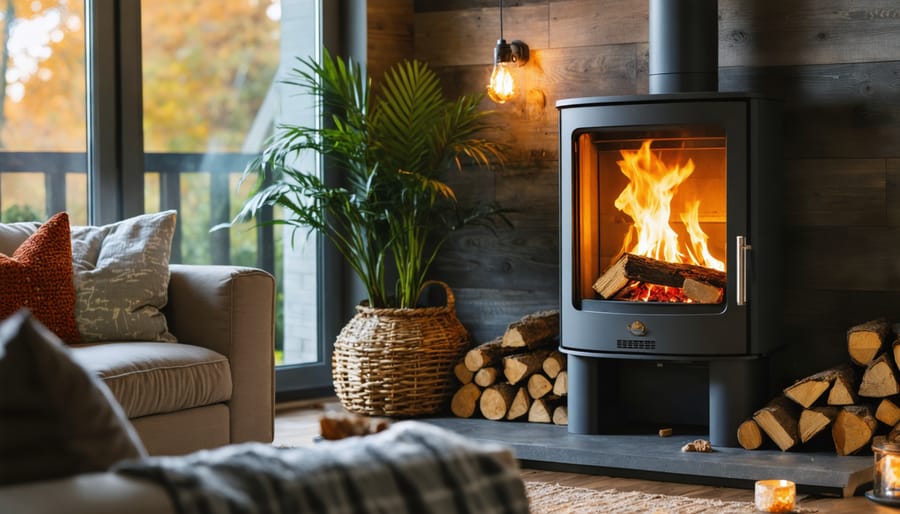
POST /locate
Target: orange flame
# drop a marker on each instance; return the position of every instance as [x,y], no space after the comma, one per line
[647,199]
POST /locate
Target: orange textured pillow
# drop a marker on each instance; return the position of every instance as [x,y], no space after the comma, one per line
[39,276]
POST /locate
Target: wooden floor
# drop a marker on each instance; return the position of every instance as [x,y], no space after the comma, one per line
[297,424]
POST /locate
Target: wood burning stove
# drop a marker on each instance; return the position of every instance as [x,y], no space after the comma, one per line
[670,237]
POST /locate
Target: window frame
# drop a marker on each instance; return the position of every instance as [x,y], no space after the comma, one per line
[116,155]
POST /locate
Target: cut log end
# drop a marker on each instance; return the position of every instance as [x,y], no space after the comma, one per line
[561,415]
[749,435]
[496,400]
[465,401]
[779,421]
[853,429]
[866,340]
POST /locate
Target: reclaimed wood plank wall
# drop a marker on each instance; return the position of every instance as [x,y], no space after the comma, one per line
[836,65]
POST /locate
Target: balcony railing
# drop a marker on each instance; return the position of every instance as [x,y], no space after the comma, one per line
[171,166]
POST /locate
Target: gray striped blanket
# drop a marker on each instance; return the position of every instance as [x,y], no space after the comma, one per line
[412,467]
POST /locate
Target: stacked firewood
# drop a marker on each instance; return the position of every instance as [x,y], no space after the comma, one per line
[518,376]
[857,401]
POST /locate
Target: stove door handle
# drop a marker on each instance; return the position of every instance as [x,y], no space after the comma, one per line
[741,256]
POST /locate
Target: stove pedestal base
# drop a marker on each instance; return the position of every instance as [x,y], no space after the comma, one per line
[734,386]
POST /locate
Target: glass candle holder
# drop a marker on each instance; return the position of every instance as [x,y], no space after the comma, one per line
[775,495]
[887,469]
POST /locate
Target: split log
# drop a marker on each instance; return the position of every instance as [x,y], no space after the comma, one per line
[539,385]
[487,377]
[894,435]
[520,405]
[779,421]
[465,400]
[853,429]
[561,384]
[554,363]
[866,340]
[895,350]
[487,354]
[843,390]
[496,400]
[653,271]
[888,412]
[541,410]
[749,436]
[561,415]
[813,421]
[462,373]
[520,366]
[879,379]
[807,390]
[701,292]
[532,331]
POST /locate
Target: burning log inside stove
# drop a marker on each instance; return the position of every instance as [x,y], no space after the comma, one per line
[628,277]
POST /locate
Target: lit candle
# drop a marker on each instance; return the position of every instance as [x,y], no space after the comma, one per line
[775,495]
[890,474]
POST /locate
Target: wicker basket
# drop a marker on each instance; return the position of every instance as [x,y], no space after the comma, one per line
[398,362]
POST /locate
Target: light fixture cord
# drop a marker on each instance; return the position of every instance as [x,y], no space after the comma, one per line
[501,18]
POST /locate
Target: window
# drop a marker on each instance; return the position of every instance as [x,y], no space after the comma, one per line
[43,113]
[115,108]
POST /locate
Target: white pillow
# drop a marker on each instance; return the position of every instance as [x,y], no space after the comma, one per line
[121,274]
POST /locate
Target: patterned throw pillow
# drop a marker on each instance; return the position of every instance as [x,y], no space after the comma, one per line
[122,278]
[58,419]
[38,276]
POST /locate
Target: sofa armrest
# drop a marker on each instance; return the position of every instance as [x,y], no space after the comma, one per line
[231,310]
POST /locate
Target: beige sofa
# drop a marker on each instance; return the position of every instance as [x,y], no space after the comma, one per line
[216,385]
[213,387]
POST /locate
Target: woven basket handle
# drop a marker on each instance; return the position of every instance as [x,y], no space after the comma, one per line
[451,300]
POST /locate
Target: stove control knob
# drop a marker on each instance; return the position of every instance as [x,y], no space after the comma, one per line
[637,328]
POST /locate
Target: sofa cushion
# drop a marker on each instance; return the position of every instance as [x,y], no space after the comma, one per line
[152,378]
[121,275]
[122,278]
[56,418]
[38,276]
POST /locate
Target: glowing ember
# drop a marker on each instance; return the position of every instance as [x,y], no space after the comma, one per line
[644,292]
[647,199]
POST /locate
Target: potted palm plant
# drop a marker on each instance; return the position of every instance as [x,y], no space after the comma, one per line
[390,147]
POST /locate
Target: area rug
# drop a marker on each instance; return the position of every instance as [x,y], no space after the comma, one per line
[546,498]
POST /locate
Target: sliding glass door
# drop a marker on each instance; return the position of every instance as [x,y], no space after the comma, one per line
[116,107]
[212,75]
[43,111]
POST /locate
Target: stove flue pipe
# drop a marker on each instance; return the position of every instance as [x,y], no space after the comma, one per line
[684,53]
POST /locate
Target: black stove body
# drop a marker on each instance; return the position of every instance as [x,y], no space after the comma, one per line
[725,150]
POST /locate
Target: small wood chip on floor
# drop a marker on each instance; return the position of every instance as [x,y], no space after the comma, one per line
[697,445]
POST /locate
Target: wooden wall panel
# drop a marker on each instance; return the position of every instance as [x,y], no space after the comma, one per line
[390,34]
[576,23]
[486,312]
[834,63]
[892,193]
[834,110]
[779,33]
[834,192]
[843,258]
[462,37]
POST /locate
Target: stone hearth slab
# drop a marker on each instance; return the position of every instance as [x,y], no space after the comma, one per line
[652,457]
